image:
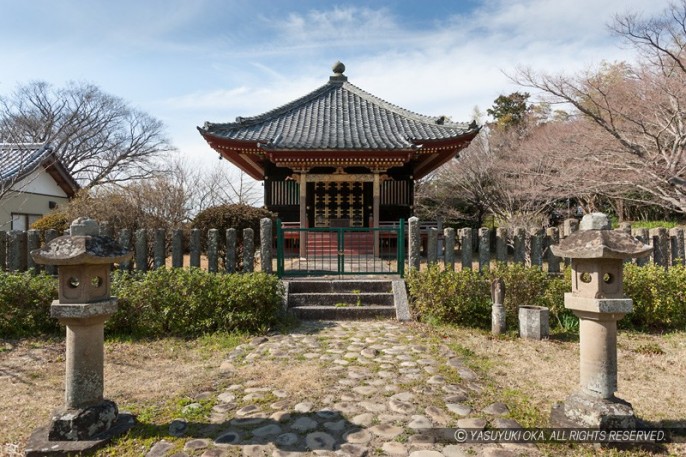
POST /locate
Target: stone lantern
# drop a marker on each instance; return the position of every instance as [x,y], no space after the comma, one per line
[598,300]
[84,260]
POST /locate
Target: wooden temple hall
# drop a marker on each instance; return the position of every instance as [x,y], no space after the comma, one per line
[339,156]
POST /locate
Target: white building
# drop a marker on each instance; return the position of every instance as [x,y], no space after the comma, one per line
[33,182]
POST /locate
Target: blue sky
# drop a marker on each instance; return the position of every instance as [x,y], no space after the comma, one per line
[191,61]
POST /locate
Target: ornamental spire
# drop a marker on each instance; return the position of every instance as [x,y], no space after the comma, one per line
[338,69]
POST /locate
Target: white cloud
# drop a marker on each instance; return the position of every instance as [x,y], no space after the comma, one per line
[461,62]
[238,59]
[343,25]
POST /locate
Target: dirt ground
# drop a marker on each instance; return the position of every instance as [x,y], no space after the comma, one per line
[136,373]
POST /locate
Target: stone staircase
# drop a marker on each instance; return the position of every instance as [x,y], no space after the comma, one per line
[346,299]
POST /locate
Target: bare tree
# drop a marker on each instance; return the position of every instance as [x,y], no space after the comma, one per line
[636,112]
[98,138]
[219,186]
[167,200]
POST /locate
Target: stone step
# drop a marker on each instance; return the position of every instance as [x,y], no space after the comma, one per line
[346,286]
[338,298]
[343,313]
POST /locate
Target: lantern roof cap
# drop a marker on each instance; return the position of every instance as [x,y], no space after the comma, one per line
[84,247]
[595,240]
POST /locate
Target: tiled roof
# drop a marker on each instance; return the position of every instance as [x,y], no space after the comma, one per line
[20,159]
[17,160]
[339,115]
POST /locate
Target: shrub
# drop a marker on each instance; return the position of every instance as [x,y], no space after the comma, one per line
[531,286]
[464,297]
[452,297]
[25,304]
[191,302]
[524,286]
[554,298]
[235,216]
[659,297]
[56,220]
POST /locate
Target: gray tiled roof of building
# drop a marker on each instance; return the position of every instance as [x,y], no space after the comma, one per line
[19,159]
[339,115]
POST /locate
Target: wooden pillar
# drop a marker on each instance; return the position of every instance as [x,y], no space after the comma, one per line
[303,213]
[376,198]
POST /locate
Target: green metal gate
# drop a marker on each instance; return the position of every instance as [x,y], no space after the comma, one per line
[340,250]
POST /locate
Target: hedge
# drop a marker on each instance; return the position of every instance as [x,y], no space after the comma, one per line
[25,301]
[191,302]
[163,302]
[463,297]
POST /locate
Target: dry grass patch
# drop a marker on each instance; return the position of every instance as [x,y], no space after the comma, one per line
[138,374]
[532,375]
[302,380]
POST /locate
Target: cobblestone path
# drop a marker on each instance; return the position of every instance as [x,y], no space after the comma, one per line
[344,388]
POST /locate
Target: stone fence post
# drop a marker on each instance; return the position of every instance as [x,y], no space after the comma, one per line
[16,251]
[660,246]
[432,246]
[160,249]
[642,235]
[467,248]
[266,245]
[484,249]
[415,242]
[449,256]
[142,250]
[212,250]
[553,238]
[32,242]
[177,248]
[519,240]
[3,250]
[230,261]
[536,243]
[195,248]
[501,244]
[248,250]
[676,237]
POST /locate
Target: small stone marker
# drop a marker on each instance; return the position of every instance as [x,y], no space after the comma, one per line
[597,298]
[84,259]
[498,309]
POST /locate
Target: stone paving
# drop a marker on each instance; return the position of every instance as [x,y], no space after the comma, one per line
[390,392]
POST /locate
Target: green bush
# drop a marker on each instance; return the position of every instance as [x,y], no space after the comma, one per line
[659,297]
[25,304]
[448,296]
[191,302]
[464,297]
[531,286]
[554,298]
[179,302]
[524,286]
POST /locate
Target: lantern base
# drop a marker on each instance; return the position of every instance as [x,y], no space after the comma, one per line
[83,423]
[581,410]
[40,445]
